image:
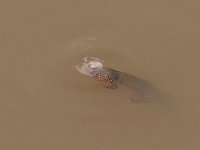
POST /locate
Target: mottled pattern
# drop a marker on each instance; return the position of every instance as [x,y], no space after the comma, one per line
[103,77]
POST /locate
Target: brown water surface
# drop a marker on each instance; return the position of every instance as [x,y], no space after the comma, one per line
[46,104]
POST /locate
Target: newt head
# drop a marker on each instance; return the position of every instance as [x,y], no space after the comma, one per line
[91,66]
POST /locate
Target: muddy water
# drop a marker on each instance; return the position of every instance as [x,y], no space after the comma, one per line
[45,104]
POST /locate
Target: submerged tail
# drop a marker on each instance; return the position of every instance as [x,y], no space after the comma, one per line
[147,93]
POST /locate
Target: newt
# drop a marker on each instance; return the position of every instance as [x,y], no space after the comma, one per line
[144,91]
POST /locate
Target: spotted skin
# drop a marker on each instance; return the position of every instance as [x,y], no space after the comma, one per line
[106,80]
[103,77]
